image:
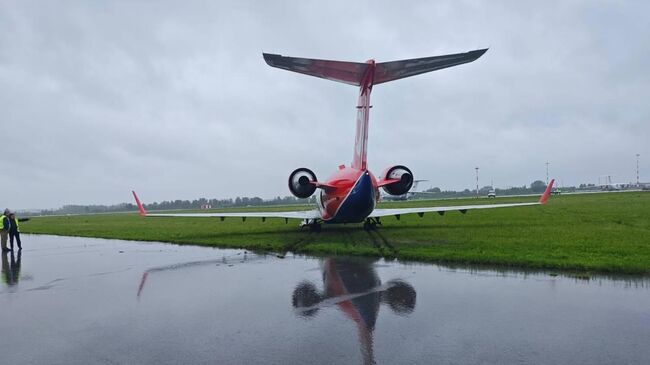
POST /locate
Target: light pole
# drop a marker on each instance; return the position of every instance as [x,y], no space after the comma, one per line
[476,182]
[637,170]
[547,172]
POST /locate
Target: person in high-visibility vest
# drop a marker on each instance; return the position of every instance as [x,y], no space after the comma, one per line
[14,231]
[5,225]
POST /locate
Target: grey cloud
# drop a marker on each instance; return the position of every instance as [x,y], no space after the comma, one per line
[175,100]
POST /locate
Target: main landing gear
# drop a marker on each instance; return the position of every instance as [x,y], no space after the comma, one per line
[371,223]
[312,224]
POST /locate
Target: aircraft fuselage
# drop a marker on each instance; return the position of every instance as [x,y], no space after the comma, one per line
[352,197]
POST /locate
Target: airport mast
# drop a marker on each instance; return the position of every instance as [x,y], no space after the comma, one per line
[637,170]
[476,182]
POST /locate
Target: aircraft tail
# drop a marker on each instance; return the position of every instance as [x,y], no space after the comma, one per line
[365,75]
[353,73]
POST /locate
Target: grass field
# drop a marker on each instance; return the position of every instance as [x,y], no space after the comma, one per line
[607,233]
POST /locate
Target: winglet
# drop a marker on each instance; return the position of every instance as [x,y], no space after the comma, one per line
[544,198]
[143,212]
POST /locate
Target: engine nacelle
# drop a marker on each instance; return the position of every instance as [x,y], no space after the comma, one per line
[300,183]
[402,186]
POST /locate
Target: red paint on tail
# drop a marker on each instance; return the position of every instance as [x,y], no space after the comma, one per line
[359,160]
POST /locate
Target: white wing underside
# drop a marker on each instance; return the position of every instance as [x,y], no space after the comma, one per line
[301,214]
[314,214]
[388,212]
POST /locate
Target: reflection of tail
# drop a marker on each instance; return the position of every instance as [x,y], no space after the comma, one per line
[366,340]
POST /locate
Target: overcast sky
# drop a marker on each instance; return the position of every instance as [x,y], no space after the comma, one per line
[174,100]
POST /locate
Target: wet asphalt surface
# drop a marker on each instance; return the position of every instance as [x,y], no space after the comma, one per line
[91,301]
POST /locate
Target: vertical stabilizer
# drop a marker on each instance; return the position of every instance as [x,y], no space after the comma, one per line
[359,160]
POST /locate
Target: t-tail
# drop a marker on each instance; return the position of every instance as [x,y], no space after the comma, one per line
[365,75]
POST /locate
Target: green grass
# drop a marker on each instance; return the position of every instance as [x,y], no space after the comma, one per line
[590,232]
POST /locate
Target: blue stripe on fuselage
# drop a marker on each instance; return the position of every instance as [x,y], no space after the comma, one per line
[358,204]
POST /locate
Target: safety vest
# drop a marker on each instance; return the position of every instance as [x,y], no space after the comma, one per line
[2,222]
[17,225]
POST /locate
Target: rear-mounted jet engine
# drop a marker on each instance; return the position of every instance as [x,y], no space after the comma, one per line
[302,183]
[404,178]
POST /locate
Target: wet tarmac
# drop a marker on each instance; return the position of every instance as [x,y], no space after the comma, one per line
[91,301]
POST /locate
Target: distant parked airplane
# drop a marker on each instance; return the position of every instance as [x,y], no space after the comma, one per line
[351,193]
[406,196]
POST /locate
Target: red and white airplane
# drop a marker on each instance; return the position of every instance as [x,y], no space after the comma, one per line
[352,192]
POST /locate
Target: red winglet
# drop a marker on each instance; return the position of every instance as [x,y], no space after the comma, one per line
[140,207]
[544,198]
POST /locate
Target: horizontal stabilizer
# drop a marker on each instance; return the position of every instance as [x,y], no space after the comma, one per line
[352,72]
[389,71]
[346,72]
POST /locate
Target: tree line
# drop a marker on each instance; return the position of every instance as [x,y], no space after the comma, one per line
[173,205]
[536,187]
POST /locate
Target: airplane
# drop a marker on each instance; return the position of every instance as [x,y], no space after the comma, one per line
[350,195]
[608,185]
[406,196]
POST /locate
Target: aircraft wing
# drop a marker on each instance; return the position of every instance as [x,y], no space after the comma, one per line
[300,214]
[461,208]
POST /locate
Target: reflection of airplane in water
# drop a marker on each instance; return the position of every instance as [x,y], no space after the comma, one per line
[354,287]
[189,264]
[11,271]
[350,195]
